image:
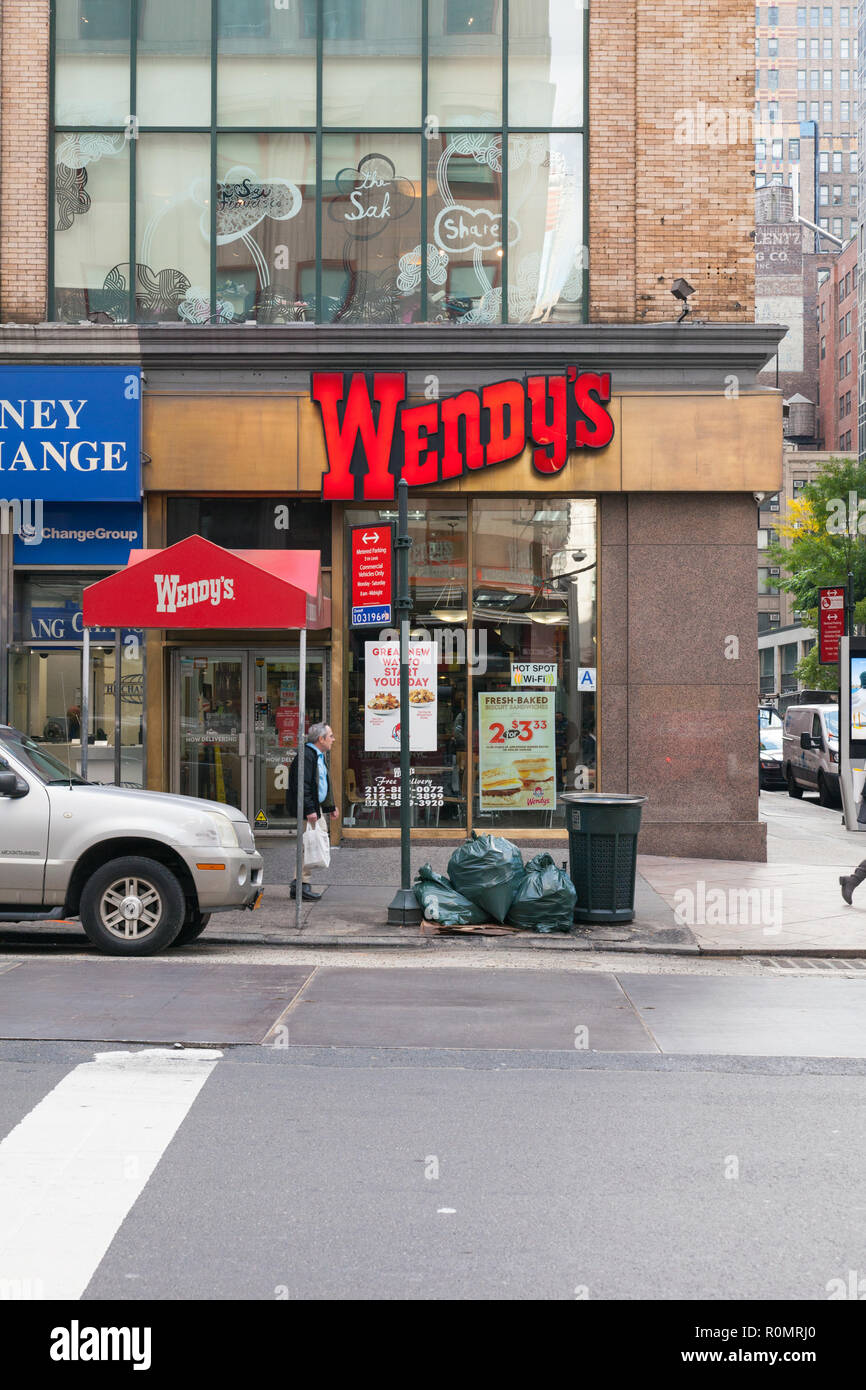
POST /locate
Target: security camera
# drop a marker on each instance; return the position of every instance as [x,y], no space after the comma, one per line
[759,497]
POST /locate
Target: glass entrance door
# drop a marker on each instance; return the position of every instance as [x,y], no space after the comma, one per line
[275,698]
[213,719]
[236,715]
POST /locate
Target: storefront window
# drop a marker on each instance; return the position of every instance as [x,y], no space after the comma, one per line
[251,523]
[45,680]
[534,609]
[516,672]
[254,137]
[438,577]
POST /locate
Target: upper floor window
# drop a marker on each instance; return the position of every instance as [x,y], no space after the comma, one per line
[470,16]
[99,20]
[284,166]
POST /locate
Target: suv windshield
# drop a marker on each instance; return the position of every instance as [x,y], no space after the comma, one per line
[832,719]
[47,768]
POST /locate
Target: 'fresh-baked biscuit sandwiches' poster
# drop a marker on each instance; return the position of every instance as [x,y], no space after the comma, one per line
[516,750]
[382,697]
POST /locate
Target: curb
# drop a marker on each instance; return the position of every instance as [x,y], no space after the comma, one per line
[415,943]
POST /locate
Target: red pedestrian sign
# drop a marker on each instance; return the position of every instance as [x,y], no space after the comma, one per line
[372,568]
[831,624]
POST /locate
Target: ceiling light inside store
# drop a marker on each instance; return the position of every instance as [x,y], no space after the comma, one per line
[549,619]
[449,615]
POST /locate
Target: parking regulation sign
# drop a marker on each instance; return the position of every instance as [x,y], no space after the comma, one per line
[372,575]
[831,624]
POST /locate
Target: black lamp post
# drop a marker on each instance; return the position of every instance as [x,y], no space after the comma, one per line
[403,911]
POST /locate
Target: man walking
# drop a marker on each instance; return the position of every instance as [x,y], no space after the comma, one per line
[318,797]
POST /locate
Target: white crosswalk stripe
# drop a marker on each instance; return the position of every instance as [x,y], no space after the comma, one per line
[76,1164]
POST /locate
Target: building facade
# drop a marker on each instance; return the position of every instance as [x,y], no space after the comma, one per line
[316,230]
[789,273]
[838,357]
[807,107]
[861,280]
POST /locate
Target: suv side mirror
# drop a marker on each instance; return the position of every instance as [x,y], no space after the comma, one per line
[12,785]
[806,741]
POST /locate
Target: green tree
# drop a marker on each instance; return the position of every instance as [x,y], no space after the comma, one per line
[825,528]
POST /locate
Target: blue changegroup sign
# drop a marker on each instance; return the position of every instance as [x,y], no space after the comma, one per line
[82,535]
[70,434]
[65,623]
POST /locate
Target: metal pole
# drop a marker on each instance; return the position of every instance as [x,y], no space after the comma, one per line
[301,765]
[849,606]
[118,726]
[846,781]
[404,910]
[85,698]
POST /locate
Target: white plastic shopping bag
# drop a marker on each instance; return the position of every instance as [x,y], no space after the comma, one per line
[317,846]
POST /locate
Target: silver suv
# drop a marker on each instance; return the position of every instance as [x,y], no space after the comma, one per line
[142,870]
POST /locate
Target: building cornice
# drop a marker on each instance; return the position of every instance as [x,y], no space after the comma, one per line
[689,354]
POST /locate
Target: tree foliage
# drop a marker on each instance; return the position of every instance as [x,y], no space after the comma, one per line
[825,528]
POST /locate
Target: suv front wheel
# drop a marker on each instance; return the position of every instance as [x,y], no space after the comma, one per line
[132,907]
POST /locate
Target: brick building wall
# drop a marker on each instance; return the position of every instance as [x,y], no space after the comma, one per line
[837,326]
[662,204]
[24,72]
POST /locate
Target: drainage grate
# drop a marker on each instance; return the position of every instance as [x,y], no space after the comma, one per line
[813,963]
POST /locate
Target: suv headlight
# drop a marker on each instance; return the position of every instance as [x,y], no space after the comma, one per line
[244,832]
[224,828]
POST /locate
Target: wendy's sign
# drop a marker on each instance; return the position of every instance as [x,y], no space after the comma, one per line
[373,437]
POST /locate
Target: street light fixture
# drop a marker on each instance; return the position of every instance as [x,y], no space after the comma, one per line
[681,289]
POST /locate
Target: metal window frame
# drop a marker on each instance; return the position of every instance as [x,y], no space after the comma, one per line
[318,131]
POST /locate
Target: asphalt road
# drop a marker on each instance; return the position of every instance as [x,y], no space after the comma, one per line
[289,1125]
[426,1174]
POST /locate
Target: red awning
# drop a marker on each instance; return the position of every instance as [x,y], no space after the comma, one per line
[198,585]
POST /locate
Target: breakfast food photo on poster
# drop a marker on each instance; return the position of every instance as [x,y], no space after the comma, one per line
[516,750]
[382,697]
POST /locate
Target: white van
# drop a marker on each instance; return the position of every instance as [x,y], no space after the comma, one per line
[810,752]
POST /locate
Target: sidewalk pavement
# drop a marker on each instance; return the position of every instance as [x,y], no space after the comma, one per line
[789,906]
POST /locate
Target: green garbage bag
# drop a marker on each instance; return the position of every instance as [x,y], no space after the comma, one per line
[545,900]
[488,870]
[440,902]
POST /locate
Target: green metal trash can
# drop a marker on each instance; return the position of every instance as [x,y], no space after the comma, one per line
[602,844]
